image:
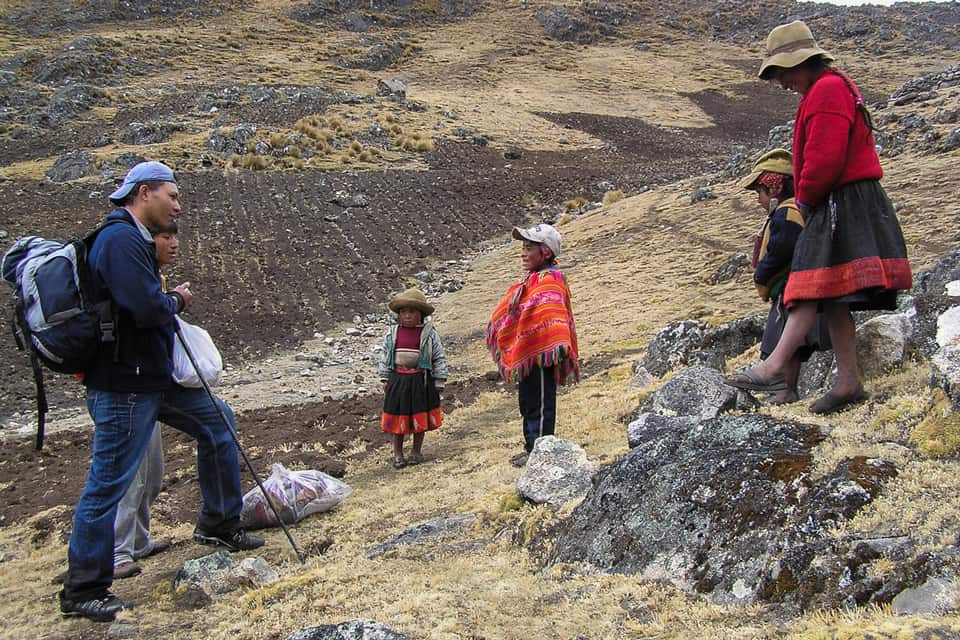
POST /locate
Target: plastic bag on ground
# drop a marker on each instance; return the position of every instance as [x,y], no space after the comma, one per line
[295,494]
[209,362]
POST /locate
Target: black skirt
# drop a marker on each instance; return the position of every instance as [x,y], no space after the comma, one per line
[411,404]
[851,250]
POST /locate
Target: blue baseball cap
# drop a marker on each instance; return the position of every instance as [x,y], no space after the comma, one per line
[143,172]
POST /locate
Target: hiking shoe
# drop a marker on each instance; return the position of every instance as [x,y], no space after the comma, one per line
[236,540]
[103,609]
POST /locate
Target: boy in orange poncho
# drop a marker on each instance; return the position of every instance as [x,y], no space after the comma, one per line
[532,335]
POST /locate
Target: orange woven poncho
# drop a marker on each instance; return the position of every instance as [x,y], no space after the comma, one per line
[533,326]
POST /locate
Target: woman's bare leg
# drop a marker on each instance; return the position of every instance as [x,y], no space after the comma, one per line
[843,335]
[799,322]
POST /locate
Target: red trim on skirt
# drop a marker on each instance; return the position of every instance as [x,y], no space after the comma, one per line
[417,423]
[844,279]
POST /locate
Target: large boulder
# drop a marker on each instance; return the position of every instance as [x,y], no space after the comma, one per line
[354,630]
[691,342]
[725,507]
[650,426]
[882,343]
[671,346]
[556,472]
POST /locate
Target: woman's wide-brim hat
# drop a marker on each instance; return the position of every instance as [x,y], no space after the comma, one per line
[773,161]
[789,45]
[411,298]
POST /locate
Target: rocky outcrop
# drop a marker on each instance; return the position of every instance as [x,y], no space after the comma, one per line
[70,166]
[556,472]
[425,532]
[200,580]
[930,299]
[727,507]
[691,342]
[354,630]
[697,391]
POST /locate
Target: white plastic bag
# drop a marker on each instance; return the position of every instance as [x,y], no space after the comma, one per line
[209,362]
[295,494]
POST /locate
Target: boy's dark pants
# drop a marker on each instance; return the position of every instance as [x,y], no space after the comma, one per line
[538,404]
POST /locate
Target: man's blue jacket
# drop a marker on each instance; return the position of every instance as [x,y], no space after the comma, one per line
[124,264]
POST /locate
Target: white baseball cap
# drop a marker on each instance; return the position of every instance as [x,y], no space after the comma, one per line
[542,233]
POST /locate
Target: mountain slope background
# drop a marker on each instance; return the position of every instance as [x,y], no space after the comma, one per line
[269,112]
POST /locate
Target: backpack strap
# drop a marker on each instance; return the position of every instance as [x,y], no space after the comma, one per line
[105,309]
[17,323]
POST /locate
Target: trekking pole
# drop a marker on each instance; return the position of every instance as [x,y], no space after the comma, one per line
[236,439]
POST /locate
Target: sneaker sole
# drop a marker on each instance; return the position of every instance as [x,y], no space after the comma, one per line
[77,614]
[220,542]
[213,542]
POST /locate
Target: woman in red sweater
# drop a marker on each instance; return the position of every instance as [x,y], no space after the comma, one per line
[851,253]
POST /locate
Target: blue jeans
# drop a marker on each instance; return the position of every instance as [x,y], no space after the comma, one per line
[538,404]
[124,423]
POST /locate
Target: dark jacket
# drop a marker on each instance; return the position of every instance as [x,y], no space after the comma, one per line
[125,268]
[775,252]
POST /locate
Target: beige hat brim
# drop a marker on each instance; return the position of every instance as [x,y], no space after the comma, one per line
[750,180]
[790,59]
[399,303]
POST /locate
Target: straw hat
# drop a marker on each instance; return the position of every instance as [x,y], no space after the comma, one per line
[775,161]
[789,45]
[411,298]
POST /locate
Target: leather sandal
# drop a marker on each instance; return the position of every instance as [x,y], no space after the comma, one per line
[399,463]
[832,403]
[750,380]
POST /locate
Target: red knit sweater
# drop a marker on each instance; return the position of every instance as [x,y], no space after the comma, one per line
[832,144]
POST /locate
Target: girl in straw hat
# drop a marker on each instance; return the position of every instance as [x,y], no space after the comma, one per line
[532,336]
[851,253]
[772,180]
[413,370]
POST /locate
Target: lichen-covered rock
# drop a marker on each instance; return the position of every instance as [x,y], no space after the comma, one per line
[697,391]
[931,299]
[393,88]
[425,532]
[882,343]
[702,508]
[729,269]
[561,23]
[937,596]
[671,345]
[649,426]
[945,371]
[691,342]
[556,472]
[354,630]
[200,579]
[727,508]
[70,166]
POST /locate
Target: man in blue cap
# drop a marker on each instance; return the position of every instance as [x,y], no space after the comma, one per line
[129,387]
